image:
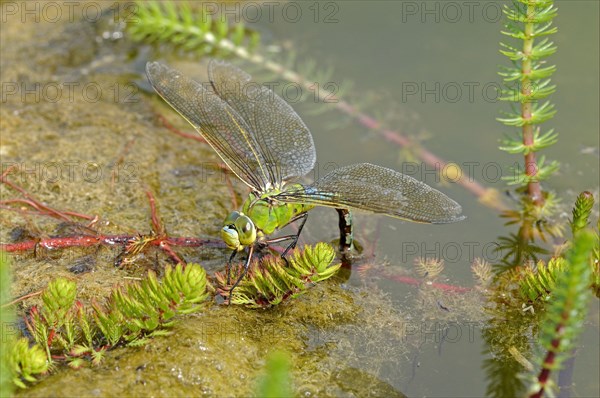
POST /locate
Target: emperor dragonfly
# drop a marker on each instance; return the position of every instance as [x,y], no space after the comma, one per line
[267,146]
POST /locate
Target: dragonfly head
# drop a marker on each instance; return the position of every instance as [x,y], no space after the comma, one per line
[238,231]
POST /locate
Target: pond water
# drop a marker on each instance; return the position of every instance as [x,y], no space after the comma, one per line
[80,127]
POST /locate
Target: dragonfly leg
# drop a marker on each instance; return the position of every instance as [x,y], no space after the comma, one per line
[345,224]
[244,272]
[303,217]
[229,266]
[293,238]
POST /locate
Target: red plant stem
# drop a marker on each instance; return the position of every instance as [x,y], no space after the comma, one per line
[160,240]
[31,201]
[36,204]
[164,245]
[548,363]
[546,370]
[51,336]
[531,168]
[21,298]
[156,224]
[51,212]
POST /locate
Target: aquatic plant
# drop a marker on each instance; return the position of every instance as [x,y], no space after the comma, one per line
[270,281]
[66,330]
[20,362]
[526,83]
[26,361]
[582,211]
[539,281]
[197,32]
[506,334]
[536,280]
[276,382]
[429,267]
[544,301]
[564,319]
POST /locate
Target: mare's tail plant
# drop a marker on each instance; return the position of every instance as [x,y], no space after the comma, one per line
[527,82]
[271,281]
[20,361]
[565,316]
[63,329]
[527,85]
[198,32]
[545,302]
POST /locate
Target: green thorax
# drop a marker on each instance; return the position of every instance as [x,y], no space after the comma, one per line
[269,214]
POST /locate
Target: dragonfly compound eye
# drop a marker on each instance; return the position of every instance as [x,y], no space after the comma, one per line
[234,215]
[230,237]
[246,230]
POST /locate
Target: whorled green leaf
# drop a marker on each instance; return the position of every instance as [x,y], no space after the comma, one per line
[582,211]
[186,286]
[26,361]
[151,303]
[110,322]
[176,23]
[39,328]
[269,282]
[58,297]
[79,350]
[523,11]
[540,141]
[543,172]
[76,363]
[538,283]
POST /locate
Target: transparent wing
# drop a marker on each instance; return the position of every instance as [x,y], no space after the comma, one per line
[282,137]
[221,125]
[380,190]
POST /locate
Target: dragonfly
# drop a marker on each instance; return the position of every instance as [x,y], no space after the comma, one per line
[267,146]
